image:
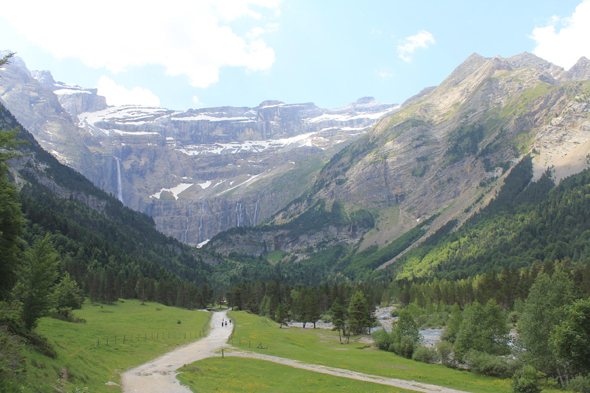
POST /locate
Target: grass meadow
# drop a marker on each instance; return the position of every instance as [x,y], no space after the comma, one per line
[89,367]
[239,375]
[322,347]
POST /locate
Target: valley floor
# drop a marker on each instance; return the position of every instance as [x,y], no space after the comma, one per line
[160,374]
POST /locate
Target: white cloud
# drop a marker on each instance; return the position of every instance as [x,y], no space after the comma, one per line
[189,38]
[566,45]
[119,95]
[256,31]
[421,40]
[197,102]
[383,73]
[270,27]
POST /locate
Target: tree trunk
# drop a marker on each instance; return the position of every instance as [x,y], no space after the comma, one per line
[560,377]
[314,325]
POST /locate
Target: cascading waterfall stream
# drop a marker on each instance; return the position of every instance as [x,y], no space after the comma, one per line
[188,222]
[119,183]
[201,221]
[239,209]
[255,214]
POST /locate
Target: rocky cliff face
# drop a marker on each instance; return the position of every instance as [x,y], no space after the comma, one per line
[446,152]
[197,172]
[74,99]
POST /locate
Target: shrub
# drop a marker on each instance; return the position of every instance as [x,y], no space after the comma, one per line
[382,339]
[405,348]
[580,384]
[445,353]
[526,381]
[494,366]
[425,355]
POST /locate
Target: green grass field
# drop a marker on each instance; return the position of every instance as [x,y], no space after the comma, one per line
[90,367]
[239,375]
[322,347]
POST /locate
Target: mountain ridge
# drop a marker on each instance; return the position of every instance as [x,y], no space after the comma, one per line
[197,172]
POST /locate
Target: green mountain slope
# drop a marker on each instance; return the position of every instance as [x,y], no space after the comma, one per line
[525,223]
[441,158]
[105,246]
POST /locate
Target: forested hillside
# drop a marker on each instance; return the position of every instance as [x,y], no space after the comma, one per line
[110,250]
[527,222]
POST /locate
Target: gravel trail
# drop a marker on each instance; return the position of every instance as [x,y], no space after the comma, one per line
[159,375]
[344,373]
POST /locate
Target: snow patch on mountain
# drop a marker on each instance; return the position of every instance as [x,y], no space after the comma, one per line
[175,191]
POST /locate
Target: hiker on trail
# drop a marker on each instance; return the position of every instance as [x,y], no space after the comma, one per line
[221,323]
[225,323]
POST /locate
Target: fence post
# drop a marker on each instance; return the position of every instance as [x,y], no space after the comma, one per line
[222,352]
[96,345]
[132,338]
[123,339]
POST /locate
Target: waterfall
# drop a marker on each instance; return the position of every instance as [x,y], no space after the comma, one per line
[255,214]
[188,222]
[119,185]
[199,240]
[239,209]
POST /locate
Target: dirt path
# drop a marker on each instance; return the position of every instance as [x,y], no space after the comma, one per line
[340,372]
[159,375]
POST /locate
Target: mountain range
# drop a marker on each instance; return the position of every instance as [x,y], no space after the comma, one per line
[196,172]
[443,156]
[363,184]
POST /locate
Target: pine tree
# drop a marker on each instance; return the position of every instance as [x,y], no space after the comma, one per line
[67,296]
[36,277]
[358,317]
[11,220]
[338,317]
[312,308]
[281,315]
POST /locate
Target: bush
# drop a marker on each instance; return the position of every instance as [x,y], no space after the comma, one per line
[382,339]
[425,355]
[580,384]
[494,366]
[445,353]
[526,381]
[405,348]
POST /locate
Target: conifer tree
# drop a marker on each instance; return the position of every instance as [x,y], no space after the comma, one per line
[358,316]
[36,277]
[281,315]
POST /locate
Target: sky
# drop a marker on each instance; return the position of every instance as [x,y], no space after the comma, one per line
[209,53]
